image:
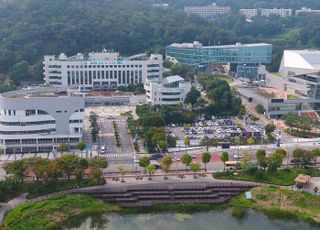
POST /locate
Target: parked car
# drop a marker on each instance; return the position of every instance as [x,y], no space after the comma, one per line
[156,156]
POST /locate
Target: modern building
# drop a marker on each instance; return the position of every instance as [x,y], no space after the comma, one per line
[304,85]
[38,120]
[296,62]
[171,90]
[209,12]
[281,12]
[250,13]
[105,70]
[244,60]
[307,11]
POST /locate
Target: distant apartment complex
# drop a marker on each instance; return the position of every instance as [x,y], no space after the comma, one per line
[100,70]
[38,120]
[307,11]
[250,13]
[209,12]
[243,60]
[167,91]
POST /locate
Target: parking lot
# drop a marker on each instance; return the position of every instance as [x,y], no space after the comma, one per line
[221,129]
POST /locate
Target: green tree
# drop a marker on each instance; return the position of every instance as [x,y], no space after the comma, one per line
[206,157]
[192,96]
[144,162]
[166,164]
[245,162]
[269,128]
[122,171]
[316,152]
[17,169]
[186,159]
[38,165]
[281,151]
[260,109]
[150,170]
[250,141]
[195,167]
[297,154]
[186,141]
[98,162]
[224,158]
[62,148]
[69,163]
[20,72]
[215,142]
[254,118]
[261,158]
[94,127]
[81,146]
[274,162]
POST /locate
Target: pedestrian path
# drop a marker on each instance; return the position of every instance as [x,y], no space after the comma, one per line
[119,155]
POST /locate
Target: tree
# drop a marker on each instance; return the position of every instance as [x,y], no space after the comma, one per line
[215,142]
[261,158]
[122,171]
[260,109]
[281,151]
[254,118]
[98,162]
[62,148]
[54,171]
[69,163]
[315,152]
[81,146]
[166,164]
[38,165]
[250,141]
[186,141]
[269,128]
[315,190]
[192,96]
[150,170]
[297,154]
[237,141]
[16,168]
[144,162]
[20,72]
[206,157]
[186,159]
[245,162]
[195,167]
[224,158]
[94,127]
[242,112]
[1,151]
[274,162]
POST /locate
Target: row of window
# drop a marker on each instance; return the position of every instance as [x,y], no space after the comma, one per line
[103,66]
[41,141]
[76,121]
[20,132]
[27,123]
[28,112]
[123,77]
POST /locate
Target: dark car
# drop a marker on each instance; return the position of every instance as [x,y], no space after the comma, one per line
[156,156]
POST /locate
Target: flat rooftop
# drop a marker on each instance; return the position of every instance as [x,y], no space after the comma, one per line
[39,92]
[199,45]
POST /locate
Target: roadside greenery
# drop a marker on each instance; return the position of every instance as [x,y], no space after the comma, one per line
[94,127]
[116,133]
[46,176]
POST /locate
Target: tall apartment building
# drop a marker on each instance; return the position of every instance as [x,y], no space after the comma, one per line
[171,90]
[244,60]
[100,70]
[209,12]
[307,11]
[250,13]
[38,120]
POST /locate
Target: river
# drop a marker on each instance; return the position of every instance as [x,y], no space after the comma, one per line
[212,220]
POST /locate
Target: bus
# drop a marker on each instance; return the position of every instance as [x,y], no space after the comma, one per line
[231,165]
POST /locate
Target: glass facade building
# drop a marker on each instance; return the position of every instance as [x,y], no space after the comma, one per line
[244,59]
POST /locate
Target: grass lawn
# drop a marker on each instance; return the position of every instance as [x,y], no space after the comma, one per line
[281,203]
[282,177]
[53,212]
[224,77]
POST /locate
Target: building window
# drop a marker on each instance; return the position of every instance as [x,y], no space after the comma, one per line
[30,112]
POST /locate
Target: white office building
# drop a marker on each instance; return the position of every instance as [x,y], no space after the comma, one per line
[307,11]
[167,91]
[105,70]
[210,11]
[250,13]
[38,120]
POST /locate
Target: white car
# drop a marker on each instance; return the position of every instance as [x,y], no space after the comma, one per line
[237,157]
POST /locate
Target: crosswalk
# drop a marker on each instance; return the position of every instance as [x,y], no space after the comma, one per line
[119,155]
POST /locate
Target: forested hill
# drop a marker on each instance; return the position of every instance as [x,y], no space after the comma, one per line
[30,29]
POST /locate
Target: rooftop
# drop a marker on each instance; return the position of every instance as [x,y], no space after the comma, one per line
[197,44]
[304,59]
[39,92]
[302,179]
[172,79]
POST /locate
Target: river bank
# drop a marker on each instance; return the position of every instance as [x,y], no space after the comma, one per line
[54,212]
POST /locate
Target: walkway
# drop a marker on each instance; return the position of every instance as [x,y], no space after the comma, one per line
[12,203]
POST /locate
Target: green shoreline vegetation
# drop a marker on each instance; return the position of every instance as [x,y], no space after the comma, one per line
[58,211]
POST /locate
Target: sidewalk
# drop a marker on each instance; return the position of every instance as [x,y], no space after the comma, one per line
[11,204]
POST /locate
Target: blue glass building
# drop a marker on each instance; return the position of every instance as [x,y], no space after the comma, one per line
[244,59]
